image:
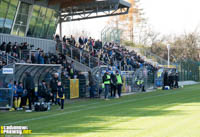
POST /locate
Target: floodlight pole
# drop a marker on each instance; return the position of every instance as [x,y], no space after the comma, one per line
[168,48]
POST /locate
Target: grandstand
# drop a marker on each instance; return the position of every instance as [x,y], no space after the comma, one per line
[27,29]
[27,36]
[28,45]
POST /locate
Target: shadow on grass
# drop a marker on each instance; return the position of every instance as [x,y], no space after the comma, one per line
[82,125]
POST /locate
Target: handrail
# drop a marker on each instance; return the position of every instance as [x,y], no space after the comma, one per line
[159,59]
[17,60]
[9,58]
[82,54]
[87,53]
[81,67]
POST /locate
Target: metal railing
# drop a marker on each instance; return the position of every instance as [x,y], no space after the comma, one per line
[8,58]
[155,59]
[189,70]
[82,56]
[143,77]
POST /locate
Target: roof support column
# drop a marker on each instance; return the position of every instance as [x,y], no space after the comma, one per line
[60,27]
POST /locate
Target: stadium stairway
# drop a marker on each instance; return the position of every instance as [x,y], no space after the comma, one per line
[8,59]
[150,57]
[81,58]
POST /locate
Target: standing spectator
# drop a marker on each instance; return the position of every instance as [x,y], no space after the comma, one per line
[170,80]
[64,39]
[85,40]
[24,46]
[14,49]
[3,47]
[71,71]
[176,80]
[57,37]
[14,87]
[106,81]
[8,48]
[33,60]
[113,85]
[61,94]
[91,84]
[81,42]
[73,41]
[29,86]
[53,86]
[64,64]
[119,83]
[20,99]
[165,83]
[41,58]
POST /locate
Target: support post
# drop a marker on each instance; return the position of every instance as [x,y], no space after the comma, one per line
[60,28]
[89,59]
[71,53]
[168,48]
[7,58]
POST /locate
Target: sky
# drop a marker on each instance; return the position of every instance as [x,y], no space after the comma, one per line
[172,16]
[165,16]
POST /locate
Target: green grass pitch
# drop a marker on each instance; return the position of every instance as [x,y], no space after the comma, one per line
[173,113]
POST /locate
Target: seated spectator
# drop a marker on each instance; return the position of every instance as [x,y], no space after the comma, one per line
[3,47]
[44,91]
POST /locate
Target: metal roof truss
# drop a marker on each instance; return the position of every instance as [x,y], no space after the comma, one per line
[100,8]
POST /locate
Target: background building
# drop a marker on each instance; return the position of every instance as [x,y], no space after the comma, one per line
[28,18]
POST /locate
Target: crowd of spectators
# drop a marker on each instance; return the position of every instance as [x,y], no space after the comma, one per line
[109,53]
[13,49]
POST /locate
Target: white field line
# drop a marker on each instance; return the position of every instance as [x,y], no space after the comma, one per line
[94,107]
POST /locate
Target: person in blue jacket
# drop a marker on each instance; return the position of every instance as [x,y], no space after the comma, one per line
[60,94]
[14,88]
[20,95]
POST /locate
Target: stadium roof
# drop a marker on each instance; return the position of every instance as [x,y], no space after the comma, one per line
[72,10]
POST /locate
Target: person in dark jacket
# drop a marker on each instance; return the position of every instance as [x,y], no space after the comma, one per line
[176,80]
[53,86]
[20,93]
[3,46]
[44,91]
[113,85]
[165,81]
[14,49]
[81,41]
[33,59]
[29,86]
[60,94]
[8,48]
[170,80]
[91,84]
